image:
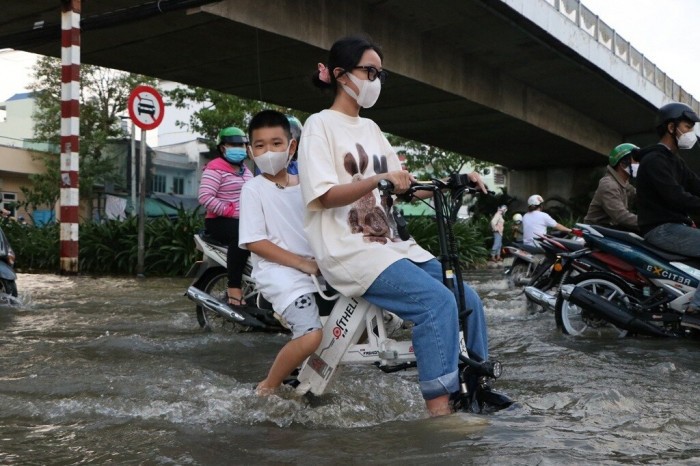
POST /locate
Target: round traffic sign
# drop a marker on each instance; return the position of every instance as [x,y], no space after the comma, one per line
[146,107]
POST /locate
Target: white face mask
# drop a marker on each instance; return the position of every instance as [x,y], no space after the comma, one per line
[687,140]
[633,170]
[272,162]
[369,90]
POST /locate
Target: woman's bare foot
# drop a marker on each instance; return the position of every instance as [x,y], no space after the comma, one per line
[439,406]
[235,297]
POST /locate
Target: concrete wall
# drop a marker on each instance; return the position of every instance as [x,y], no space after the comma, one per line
[563,183]
[15,167]
[18,124]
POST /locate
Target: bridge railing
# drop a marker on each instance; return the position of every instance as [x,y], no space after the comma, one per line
[606,36]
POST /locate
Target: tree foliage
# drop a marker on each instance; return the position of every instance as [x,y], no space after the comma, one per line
[426,160]
[104,94]
[219,110]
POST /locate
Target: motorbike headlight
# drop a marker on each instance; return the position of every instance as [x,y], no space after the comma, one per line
[497,369]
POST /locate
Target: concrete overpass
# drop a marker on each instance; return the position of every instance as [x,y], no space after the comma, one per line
[540,86]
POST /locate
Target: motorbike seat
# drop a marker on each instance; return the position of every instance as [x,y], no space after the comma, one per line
[634,239]
[529,248]
[207,238]
[571,244]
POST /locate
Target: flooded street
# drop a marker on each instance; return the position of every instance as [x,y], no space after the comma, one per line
[117,370]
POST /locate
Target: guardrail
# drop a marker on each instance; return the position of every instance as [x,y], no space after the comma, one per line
[589,22]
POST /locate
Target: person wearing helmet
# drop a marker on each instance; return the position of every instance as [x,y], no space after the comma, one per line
[296,128]
[517,227]
[609,206]
[536,222]
[667,190]
[497,223]
[220,193]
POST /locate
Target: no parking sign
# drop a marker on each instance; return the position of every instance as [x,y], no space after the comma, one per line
[146,107]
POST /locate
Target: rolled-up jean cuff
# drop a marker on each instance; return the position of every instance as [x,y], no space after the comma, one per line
[443,385]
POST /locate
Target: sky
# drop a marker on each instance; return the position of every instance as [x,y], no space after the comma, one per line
[665,31]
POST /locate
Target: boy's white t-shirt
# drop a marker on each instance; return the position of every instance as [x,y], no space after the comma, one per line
[535,223]
[274,214]
[352,244]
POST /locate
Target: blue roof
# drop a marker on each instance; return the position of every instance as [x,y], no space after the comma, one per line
[20,96]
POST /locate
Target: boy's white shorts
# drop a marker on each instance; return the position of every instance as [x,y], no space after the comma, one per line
[302,315]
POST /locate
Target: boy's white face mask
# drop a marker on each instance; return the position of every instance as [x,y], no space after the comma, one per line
[273,162]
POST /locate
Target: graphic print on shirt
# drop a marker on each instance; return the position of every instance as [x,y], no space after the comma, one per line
[380,166]
[365,216]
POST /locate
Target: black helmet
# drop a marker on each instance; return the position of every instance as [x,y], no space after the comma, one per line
[675,111]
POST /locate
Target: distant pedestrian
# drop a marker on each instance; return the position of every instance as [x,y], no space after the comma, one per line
[497,223]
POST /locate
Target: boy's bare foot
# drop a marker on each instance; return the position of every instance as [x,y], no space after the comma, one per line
[263,390]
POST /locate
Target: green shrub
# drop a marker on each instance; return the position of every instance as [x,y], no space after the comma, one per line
[469,236]
[35,248]
[111,247]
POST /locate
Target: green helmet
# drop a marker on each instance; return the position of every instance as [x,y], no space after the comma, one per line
[620,152]
[232,135]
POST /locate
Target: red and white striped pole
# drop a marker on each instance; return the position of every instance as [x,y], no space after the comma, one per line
[70,133]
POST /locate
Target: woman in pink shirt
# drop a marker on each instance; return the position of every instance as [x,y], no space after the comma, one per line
[220,194]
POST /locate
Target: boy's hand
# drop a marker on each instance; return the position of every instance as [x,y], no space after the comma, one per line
[308,265]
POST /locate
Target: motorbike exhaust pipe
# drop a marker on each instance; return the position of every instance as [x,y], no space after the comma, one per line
[206,300]
[537,296]
[620,317]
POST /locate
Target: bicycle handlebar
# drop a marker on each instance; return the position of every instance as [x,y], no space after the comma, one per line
[455,182]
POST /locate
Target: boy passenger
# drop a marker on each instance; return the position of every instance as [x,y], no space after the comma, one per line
[272,228]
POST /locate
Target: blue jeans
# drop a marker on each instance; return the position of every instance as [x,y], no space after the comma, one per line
[415,292]
[680,239]
[497,244]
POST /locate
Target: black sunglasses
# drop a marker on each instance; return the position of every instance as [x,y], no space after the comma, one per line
[373,73]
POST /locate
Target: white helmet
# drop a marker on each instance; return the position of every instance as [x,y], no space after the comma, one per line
[534,200]
[517,218]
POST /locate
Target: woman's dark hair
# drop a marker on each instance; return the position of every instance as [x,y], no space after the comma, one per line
[346,54]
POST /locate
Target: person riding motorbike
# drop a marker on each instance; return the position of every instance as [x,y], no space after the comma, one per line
[536,222]
[220,192]
[517,228]
[609,206]
[296,127]
[667,190]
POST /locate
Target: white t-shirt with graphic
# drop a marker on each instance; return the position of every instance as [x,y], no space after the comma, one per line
[276,215]
[535,223]
[352,244]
